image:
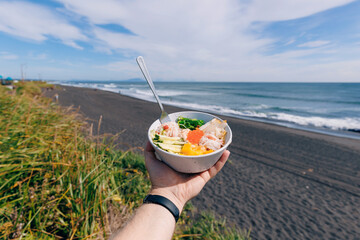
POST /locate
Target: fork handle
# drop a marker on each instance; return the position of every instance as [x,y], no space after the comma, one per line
[141,62]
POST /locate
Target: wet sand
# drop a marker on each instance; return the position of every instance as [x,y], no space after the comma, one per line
[281,183]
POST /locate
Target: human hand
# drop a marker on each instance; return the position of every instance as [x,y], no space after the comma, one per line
[178,187]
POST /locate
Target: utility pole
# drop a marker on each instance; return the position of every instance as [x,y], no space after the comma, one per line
[23,75]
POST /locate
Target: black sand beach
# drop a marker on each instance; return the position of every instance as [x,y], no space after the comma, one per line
[282,183]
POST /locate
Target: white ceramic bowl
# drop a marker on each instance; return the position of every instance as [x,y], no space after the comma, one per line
[190,164]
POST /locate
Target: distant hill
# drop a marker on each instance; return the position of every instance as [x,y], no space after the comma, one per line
[134,80]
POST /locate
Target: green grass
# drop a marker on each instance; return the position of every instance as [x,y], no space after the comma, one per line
[207,226]
[58,182]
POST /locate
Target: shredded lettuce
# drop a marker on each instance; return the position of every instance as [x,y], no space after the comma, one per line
[187,123]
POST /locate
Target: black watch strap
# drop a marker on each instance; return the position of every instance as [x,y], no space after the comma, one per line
[163,201]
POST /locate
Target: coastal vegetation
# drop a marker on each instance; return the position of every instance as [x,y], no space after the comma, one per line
[59,180]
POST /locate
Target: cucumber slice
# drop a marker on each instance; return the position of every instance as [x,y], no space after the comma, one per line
[170,147]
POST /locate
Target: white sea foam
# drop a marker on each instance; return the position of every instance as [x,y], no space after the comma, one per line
[149,96]
[169,93]
[252,111]
[116,90]
[321,122]
[259,106]
[162,93]
[142,93]
[217,109]
[111,85]
[331,123]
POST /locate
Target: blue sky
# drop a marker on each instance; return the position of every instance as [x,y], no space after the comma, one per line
[204,40]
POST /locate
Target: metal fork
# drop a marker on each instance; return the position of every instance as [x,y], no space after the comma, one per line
[164,117]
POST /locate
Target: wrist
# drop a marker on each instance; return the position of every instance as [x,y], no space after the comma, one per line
[169,195]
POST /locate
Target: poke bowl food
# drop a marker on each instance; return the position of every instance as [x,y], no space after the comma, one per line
[191,142]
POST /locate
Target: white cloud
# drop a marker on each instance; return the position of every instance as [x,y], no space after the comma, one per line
[291,41]
[203,40]
[195,37]
[281,10]
[127,69]
[8,56]
[40,56]
[180,39]
[339,71]
[314,44]
[35,22]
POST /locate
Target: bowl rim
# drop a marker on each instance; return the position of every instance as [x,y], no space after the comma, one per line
[194,156]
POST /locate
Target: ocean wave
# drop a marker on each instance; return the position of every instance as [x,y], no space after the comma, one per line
[147,94]
[167,93]
[142,93]
[345,124]
[262,112]
[171,93]
[291,98]
[111,85]
[258,106]
[321,122]
[217,109]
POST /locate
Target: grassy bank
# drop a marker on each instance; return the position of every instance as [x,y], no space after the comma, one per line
[60,181]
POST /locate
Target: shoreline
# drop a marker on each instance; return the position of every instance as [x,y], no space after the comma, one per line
[351,133]
[282,183]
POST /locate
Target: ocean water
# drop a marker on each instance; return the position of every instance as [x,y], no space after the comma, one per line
[331,108]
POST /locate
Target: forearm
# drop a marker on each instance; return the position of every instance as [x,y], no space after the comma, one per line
[151,221]
[154,221]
